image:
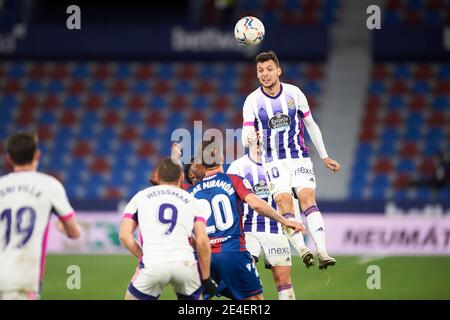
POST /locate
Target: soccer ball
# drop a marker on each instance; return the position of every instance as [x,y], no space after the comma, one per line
[249,31]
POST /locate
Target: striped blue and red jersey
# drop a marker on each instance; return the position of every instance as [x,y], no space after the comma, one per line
[253,172]
[220,197]
[278,119]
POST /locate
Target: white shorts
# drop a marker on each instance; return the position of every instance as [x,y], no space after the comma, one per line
[274,247]
[19,295]
[151,280]
[286,174]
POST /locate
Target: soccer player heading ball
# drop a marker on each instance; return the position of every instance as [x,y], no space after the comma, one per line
[280,112]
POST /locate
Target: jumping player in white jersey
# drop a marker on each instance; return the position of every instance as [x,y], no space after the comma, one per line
[264,237]
[280,113]
[27,199]
[167,217]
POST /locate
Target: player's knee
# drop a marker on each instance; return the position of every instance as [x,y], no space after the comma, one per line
[283,199]
[307,198]
[282,279]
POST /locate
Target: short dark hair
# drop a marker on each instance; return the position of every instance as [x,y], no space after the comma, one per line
[210,155]
[186,169]
[169,171]
[21,147]
[266,56]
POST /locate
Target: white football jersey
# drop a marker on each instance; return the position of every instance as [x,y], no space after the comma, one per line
[27,199]
[166,216]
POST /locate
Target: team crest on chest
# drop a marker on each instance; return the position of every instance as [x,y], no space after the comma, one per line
[279,122]
[291,104]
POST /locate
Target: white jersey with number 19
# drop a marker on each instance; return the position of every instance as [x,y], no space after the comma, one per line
[27,199]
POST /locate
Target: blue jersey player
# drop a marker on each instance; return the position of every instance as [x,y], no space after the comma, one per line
[220,196]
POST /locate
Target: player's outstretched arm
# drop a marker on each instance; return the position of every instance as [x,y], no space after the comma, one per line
[204,256]
[317,139]
[126,236]
[262,207]
[203,248]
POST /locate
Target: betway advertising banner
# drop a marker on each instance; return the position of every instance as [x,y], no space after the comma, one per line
[161,42]
[347,234]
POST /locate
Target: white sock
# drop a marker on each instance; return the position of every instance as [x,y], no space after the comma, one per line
[316,228]
[297,241]
[286,292]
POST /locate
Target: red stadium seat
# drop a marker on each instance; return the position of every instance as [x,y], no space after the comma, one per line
[204,87]
[435,4]
[423,72]
[383,165]
[427,166]
[119,87]
[11,87]
[69,118]
[179,103]
[370,119]
[51,102]
[111,118]
[77,87]
[197,116]
[186,72]
[373,103]
[81,149]
[101,72]
[314,72]
[29,103]
[38,71]
[392,119]
[401,181]
[417,103]
[409,150]
[145,150]
[128,134]
[144,72]
[398,87]
[272,5]
[161,88]
[438,119]
[136,103]
[59,71]
[44,133]
[237,120]
[442,88]
[25,117]
[154,119]
[413,17]
[379,72]
[113,193]
[93,102]
[99,165]
[221,103]
[367,134]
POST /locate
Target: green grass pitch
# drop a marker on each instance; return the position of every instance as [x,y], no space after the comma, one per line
[107,276]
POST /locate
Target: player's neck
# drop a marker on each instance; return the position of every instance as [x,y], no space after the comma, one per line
[173,184]
[273,90]
[210,172]
[25,167]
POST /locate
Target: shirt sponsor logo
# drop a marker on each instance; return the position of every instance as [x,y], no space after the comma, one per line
[280,122]
[261,189]
[303,170]
[279,251]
